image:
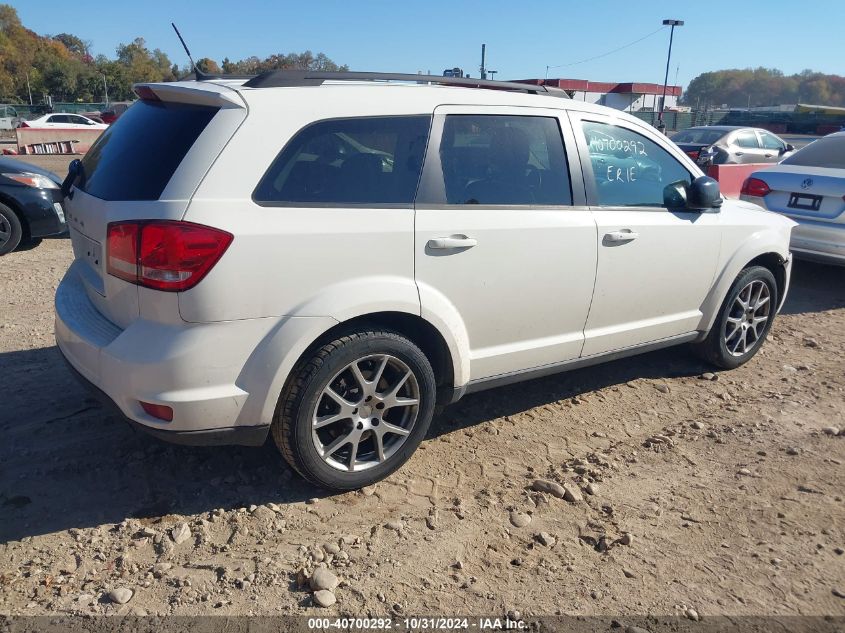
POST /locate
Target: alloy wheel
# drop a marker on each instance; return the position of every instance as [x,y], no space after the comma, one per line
[747,319]
[365,413]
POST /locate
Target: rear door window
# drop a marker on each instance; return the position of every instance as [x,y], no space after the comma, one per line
[747,139]
[504,160]
[135,158]
[372,160]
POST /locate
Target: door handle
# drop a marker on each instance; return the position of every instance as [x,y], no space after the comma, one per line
[737,153]
[452,242]
[621,236]
[767,155]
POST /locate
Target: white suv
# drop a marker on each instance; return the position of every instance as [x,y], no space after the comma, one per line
[326,258]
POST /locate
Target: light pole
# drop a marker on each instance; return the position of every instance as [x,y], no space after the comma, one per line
[673,23]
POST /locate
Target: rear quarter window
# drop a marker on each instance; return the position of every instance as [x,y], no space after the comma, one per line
[136,157]
[372,160]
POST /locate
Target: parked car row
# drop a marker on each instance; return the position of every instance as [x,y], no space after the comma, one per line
[61,120]
[731,145]
[808,187]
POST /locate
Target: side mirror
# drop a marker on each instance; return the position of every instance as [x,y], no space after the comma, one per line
[789,148]
[73,171]
[703,195]
[700,195]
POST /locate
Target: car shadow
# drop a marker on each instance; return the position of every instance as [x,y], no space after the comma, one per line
[67,462]
[815,288]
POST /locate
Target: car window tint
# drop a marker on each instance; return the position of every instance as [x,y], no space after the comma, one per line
[825,152]
[504,160]
[770,141]
[373,160]
[57,118]
[115,169]
[629,169]
[747,139]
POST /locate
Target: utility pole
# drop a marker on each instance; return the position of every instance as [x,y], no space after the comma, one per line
[105,89]
[483,69]
[673,23]
[28,89]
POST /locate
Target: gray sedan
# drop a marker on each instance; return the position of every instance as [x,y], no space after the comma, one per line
[809,187]
[730,145]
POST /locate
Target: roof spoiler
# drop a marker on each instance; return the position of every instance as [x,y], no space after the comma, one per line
[209,94]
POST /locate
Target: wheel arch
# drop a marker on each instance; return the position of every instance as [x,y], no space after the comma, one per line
[18,211]
[294,339]
[772,257]
[419,331]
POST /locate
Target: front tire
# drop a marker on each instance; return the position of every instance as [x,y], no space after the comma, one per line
[11,231]
[744,320]
[355,409]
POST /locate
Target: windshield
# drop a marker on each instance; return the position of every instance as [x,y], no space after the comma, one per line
[135,158]
[700,136]
[826,152]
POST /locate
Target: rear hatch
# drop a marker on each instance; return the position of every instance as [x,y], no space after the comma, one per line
[145,167]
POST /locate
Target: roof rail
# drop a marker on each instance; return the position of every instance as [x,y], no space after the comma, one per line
[290,78]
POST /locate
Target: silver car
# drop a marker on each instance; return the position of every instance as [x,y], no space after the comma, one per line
[809,187]
[731,145]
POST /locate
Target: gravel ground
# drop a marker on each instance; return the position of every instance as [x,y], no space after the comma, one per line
[646,486]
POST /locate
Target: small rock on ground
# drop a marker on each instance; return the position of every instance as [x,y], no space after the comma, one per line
[572,493]
[322,578]
[519,519]
[121,595]
[180,533]
[324,598]
[552,487]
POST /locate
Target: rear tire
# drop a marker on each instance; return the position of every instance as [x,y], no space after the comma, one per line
[11,231]
[355,409]
[744,320]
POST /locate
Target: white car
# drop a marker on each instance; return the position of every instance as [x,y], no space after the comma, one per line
[61,120]
[324,258]
[809,187]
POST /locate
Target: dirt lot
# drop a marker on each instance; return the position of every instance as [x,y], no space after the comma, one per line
[694,493]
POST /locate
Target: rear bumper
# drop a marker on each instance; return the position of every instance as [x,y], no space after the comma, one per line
[194,369]
[819,241]
[242,436]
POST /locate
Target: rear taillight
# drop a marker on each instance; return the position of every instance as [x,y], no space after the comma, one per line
[693,153]
[755,187]
[162,254]
[24,124]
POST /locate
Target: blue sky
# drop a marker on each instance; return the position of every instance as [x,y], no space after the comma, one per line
[521,37]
